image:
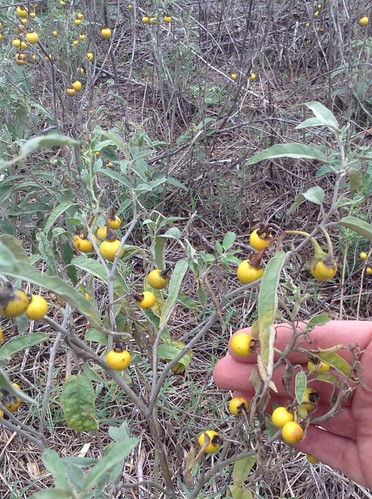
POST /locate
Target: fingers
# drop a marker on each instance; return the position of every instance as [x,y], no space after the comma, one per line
[331,334]
[338,452]
[230,374]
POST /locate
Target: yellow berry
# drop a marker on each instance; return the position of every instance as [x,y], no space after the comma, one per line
[319,368]
[363,256]
[108,249]
[364,21]
[147,300]
[238,406]
[292,433]
[281,416]
[240,344]
[214,441]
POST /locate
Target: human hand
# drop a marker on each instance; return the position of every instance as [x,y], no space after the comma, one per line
[345,441]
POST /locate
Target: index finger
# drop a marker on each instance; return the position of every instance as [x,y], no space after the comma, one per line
[321,337]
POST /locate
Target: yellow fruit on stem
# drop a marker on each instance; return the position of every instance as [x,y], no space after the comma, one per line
[247,273]
[153,20]
[364,21]
[20,59]
[167,19]
[9,401]
[281,416]
[257,242]
[363,256]
[71,92]
[32,37]
[368,271]
[252,76]
[214,441]
[77,22]
[292,433]
[101,233]
[234,76]
[118,360]
[156,279]
[145,20]
[323,271]
[115,223]
[147,300]
[310,399]
[18,44]
[89,57]
[76,85]
[240,344]
[106,32]
[319,368]
[108,249]
[238,406]
[21,12]
[37,308]
[13,302]
[83,245]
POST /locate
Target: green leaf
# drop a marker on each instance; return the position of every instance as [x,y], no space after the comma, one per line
[115,455]
[174,287]
[323,114]
[242,469]
[300,386]
[116,176]
[335,361]
[15,247]
[75,475]
[47,253]
[94,267]
[55,284]
[310,123]
[228,240]
[77,402]
[6,257]
[53,494]
[293,150]
[92,375]
[56,213]
[240,493]
[52,462]
[159,252]
[51,140]
[318,320]
[176,183]
[119,434]
[267,304]
[357,225]
[315,195]
[115,139]
[95,335]
[172,233]
[11,347]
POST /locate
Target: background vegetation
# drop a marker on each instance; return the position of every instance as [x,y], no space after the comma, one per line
[162,133]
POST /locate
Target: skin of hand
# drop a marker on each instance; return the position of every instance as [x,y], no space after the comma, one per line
[345,441]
